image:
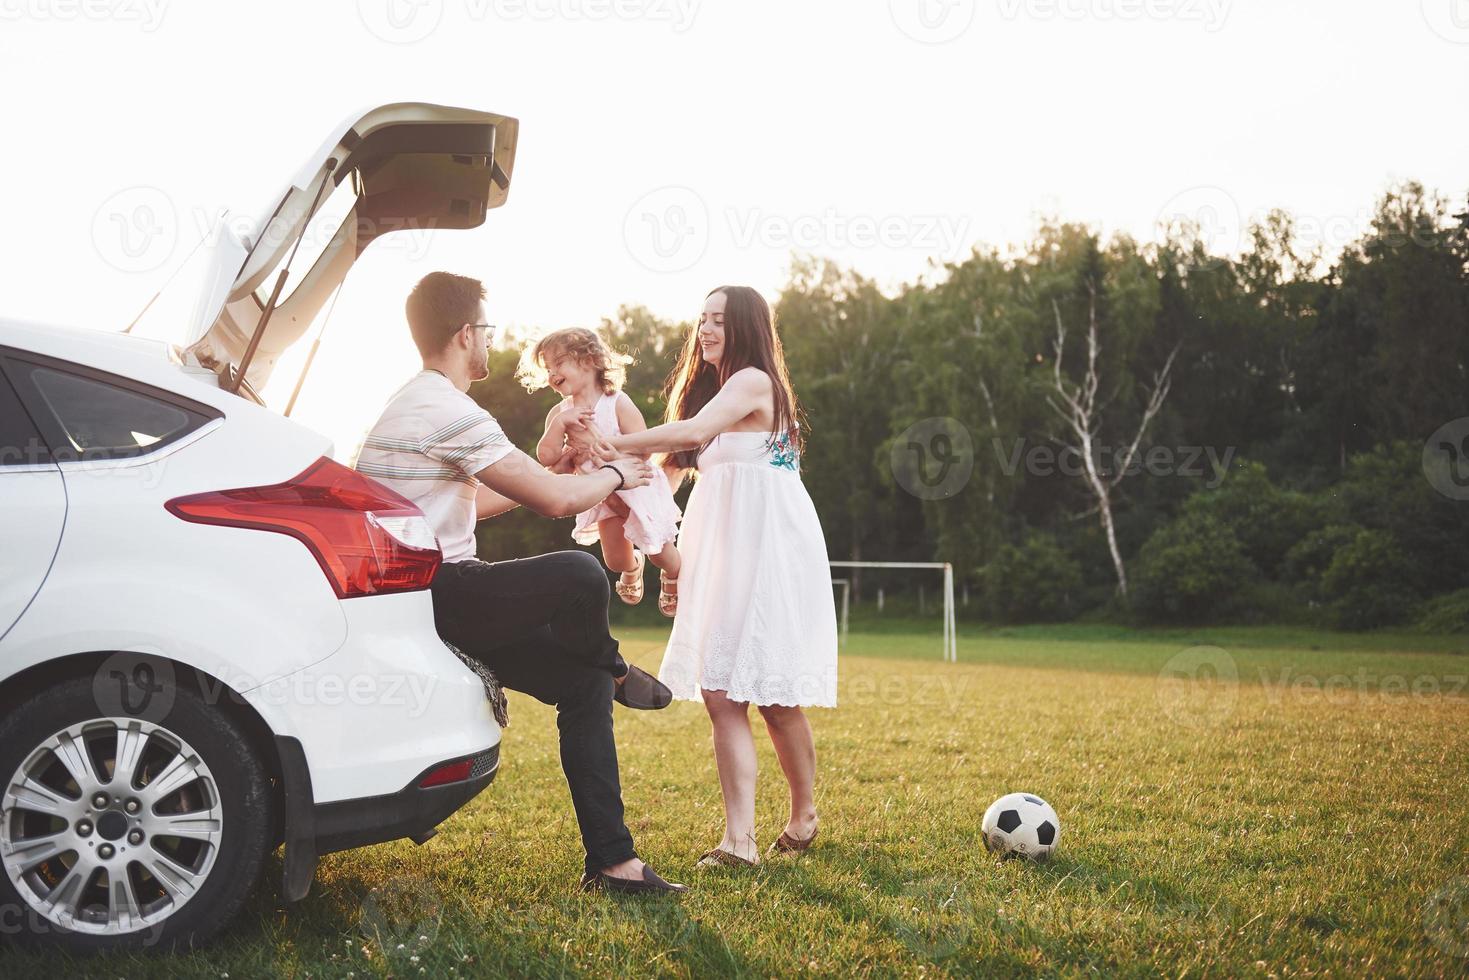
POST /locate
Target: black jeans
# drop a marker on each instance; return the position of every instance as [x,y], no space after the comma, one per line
[541,625]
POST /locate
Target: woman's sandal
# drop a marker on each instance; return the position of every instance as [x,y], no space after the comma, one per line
[786,844]
[631,593]
[719,857]
[667,601]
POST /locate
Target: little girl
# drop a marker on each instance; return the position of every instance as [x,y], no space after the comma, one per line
[630,524]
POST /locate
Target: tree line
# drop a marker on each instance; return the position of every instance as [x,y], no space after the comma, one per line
[1143,432]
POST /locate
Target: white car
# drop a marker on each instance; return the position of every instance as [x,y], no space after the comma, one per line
[214,639]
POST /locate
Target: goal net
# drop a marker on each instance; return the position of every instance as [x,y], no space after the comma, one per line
[843,581]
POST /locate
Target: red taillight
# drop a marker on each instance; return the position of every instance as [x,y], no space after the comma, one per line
[368,539]
[454,772]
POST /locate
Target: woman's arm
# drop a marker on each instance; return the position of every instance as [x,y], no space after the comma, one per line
[743,393]
[629,419]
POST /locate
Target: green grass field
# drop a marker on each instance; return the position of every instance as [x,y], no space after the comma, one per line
[1234,802]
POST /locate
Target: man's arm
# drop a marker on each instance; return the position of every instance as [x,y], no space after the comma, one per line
[519,478]
[488,503]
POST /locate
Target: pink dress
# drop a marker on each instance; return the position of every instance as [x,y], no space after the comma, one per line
[652,518]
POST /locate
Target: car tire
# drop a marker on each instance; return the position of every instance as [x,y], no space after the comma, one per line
[199,821]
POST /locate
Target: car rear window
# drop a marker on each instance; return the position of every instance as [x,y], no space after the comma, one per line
[20,442]
[98,418]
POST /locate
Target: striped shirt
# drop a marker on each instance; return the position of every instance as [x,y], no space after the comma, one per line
[428,445]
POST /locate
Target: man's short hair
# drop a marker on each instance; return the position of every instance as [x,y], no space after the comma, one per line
[439,306]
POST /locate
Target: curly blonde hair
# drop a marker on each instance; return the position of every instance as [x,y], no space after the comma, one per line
[586,346]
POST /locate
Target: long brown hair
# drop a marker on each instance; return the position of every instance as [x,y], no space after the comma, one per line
[750,340]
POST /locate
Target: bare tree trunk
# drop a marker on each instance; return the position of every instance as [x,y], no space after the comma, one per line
[1104,508]
[1078,409]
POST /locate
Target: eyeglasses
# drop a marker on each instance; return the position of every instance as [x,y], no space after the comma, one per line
[483,326]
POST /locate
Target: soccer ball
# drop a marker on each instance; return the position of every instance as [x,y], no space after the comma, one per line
[1021,824]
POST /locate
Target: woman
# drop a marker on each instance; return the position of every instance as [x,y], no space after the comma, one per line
[755,620]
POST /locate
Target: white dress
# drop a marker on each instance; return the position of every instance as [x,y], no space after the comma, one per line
[652,514]
[756,618]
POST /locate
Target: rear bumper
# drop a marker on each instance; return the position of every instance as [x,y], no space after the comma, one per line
[312,829]
[412,812]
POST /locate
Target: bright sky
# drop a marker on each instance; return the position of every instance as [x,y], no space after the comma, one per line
[671,145]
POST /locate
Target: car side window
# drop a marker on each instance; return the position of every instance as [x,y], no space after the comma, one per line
[90,415]
[20,440]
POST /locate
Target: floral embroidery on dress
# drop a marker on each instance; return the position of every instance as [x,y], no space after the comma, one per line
[782,453]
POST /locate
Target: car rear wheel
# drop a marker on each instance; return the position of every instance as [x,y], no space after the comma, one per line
[126,832]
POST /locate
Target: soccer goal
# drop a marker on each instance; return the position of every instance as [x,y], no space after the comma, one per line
[951,639]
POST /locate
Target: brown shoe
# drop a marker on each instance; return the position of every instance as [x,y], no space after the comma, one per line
[786,844]
[651,884]
[719,857]
[640,689]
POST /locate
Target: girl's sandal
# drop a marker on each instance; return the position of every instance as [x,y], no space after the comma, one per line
[719,857]
[786,844]
[631,592]
[667,601]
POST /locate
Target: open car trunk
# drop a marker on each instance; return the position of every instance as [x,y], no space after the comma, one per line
[404,166]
